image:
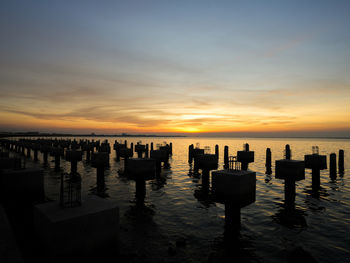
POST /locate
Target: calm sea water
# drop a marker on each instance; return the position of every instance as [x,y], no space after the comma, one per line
[176,210]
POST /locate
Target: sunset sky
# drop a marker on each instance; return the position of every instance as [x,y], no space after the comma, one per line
[227,67]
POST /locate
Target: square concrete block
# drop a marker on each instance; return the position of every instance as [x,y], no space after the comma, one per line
[100,159]
[83,230]
[140,147]
[160,155]
[74,155]
[236,187]
[125,152]
[10,163]
[207,161]
[22,184]
[141,168]
[315,161]
[245,156]
[290,169]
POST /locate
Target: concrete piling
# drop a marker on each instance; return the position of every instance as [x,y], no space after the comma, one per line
[236,189]
[268,161]
[287,152]
[290,171]
[147,151]
[317,163]
[190,154]
[341,162]
[73,156]
[333,166]
[245,157]
[226,157]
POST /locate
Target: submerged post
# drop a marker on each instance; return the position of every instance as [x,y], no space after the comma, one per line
[268,161]
[226,157]
[341,162]
[333,166]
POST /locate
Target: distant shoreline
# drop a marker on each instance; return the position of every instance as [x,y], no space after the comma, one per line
[30,134]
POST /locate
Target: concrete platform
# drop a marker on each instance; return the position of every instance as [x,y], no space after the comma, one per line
[22,184]
[245,156]
[207,161]
[77,232]
[9,252]
[10,163]
[290,169]
[100,159]
[315,161]
[234,186]
[141,168]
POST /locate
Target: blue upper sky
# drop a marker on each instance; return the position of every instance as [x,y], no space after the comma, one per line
[201,65]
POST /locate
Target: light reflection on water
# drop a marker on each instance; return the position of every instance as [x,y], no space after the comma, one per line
[178,207]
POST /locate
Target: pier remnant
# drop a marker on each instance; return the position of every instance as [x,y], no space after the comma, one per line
[268,161]
[333,166]
[317,163]
[341,162]
[245,157]
[290,171]
[236,189]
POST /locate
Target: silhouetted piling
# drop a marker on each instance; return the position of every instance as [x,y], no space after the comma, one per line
[35,155]
[317,163]
[232,220]
[147,151]
[190,154]
[45,155]
[268,161]
[289,192]
[140,191]
[287,152]
[226,157]
[171,148]
[333,166]
[217,151]
[245,157]
[290,171]
[28,152]
[341,162]
[151,146]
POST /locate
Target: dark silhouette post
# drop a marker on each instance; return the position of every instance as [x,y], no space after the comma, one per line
[245,157]
[190,154]
[206,162]
[341,162]
[217,151]
[268,161]
[73,156]
[315,162]
[290,171]
[226,157]
[36,147]
[147,151]
[57,152]
[100,160]
[287,152]
[28,151]
[236,189]
[333,166]
[125,153]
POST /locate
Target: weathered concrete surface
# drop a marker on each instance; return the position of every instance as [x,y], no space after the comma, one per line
[22,184]
[290,169]
[9,252]
[79,231]
[236,187]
